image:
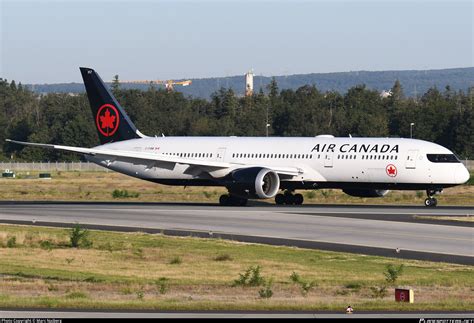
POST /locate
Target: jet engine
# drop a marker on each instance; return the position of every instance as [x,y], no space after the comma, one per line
[253,182]
[365,193]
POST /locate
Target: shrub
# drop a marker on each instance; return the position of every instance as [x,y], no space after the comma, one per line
[392,273]
[46,244]
[251,277]
[304,285]
[266,292]
[11,242]
[78,237]
[163,285]
[295,277]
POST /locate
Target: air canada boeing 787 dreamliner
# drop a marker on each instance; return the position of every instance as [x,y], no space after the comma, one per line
[261,167]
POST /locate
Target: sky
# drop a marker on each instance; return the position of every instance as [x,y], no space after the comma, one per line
[47,41]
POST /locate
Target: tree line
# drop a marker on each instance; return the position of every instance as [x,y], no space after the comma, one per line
[442,116]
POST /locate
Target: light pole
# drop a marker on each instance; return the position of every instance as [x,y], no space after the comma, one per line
[411,129]
[267,124]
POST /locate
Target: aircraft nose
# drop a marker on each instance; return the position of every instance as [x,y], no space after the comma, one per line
[462,175]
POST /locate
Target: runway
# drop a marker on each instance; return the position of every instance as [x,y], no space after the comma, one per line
[371,230]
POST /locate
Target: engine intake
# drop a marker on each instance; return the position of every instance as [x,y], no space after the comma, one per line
[365,193]
[254,182]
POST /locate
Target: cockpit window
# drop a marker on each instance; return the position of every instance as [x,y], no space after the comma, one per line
[442,158]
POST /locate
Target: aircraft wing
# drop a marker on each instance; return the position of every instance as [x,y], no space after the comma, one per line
[147,158]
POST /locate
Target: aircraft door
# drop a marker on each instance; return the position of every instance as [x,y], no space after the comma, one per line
[328,159]
[220,154]
[411,159]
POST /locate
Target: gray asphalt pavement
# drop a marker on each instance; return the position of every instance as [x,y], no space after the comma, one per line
[363,228]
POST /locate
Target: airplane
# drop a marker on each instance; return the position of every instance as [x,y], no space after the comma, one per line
[264,167]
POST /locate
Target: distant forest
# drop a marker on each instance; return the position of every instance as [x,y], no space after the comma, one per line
[442,115]
[415,83]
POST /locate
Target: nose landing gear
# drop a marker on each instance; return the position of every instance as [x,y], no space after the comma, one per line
[430,200]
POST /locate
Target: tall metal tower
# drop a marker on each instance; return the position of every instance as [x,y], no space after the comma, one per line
[249,83]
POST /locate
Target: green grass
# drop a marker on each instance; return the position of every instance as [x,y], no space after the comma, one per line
[110,274]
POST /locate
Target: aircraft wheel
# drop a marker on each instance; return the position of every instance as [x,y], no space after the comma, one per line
[431,202]
[279,199]
[298,198]
[428,202]
[224,200]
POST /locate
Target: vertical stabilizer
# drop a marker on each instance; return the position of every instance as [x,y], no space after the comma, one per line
[111,121]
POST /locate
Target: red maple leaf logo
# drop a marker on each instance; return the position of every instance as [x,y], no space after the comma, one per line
[391,170]
[107,121]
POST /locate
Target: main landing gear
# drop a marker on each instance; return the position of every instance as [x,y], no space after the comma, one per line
[289,198]
[231,200]
[430,200]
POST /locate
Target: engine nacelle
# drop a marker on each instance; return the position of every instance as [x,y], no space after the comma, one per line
[253,182]
[365,193]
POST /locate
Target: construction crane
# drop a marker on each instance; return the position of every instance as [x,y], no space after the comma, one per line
[169,84]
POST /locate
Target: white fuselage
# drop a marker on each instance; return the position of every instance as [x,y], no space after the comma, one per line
[324,161]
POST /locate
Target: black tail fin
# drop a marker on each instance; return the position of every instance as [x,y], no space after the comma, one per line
[111,121]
